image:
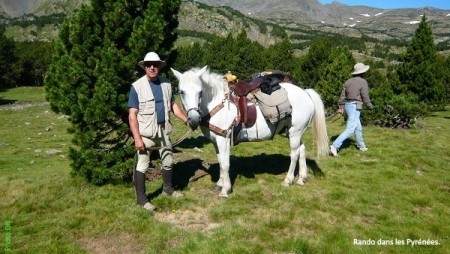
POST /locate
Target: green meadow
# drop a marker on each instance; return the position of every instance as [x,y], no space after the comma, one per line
[394,198]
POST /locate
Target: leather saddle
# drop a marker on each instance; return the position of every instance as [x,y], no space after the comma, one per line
[247,109]
[246,106]
[242,88]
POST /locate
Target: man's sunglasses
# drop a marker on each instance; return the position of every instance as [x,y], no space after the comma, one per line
[154,64]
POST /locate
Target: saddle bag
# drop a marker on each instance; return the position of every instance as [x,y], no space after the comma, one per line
[275,106]
[270,84]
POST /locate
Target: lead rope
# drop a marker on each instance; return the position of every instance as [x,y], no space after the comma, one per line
[174,143]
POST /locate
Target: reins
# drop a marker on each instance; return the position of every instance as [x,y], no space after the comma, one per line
[174,143]
[182,138]
[331,117]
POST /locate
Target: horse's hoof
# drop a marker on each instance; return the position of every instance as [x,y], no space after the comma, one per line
[285,184]
[300,182]
[223,195]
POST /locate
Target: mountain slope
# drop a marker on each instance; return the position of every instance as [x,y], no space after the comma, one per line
[17,8]
[352,20]
[289,15]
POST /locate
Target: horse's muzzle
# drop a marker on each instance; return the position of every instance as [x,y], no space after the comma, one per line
[193,119]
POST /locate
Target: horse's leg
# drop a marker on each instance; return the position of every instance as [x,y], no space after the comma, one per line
[303,170]
[223,155]
[219,183]
[294,141]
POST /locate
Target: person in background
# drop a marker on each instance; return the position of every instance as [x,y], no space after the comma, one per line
[150,103]
[354,94]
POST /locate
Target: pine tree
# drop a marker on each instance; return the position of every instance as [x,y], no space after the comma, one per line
[239,55]
[189,56]
[34,58]
[445,62]
[220,55]
[7,60]
[280,56]
[94,64]
[325,68]
[333,73]
[250,56]
[420,73]
[318,53]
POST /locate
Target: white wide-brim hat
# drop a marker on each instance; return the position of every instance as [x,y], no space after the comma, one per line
[360,68]
[152,57]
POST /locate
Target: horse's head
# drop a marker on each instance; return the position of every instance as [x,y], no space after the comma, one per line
[190,88]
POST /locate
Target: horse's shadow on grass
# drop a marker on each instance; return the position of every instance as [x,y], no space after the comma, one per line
[4,101]
[183,173]
[190,143]
[188,171]
[249,167]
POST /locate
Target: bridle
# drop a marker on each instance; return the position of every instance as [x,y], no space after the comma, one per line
[205,119]
[195,109]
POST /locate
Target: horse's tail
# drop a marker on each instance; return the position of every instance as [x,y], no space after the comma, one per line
[319,126]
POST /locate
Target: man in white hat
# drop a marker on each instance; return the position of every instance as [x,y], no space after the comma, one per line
[353,96]
[150,103]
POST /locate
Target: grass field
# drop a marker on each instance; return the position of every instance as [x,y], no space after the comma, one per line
[394,198]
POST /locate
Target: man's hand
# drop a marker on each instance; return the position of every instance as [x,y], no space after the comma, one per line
[134,126]
[139,145]
[340,111]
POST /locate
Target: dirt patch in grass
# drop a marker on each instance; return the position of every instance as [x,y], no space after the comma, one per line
[369,160]
[421,210]
[10,193]
[22,105]
[124,243]
[189,220]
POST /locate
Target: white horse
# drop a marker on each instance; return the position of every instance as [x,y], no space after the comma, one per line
[205,95]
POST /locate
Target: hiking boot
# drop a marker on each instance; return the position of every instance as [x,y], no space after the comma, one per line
[363,149]
[333,151]
[174,194]
[149,207]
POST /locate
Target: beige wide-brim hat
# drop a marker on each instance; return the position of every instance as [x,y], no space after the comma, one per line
[360,68]
[152,57]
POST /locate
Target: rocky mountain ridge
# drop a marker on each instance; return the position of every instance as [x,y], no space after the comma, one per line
[340,18]
[291,15]
[17,8]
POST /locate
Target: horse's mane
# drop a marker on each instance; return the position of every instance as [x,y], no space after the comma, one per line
[215,82]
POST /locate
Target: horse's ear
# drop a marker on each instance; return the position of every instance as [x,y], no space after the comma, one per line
[177,73]
[200,72]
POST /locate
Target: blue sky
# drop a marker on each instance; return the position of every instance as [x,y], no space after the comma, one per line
[392,4]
